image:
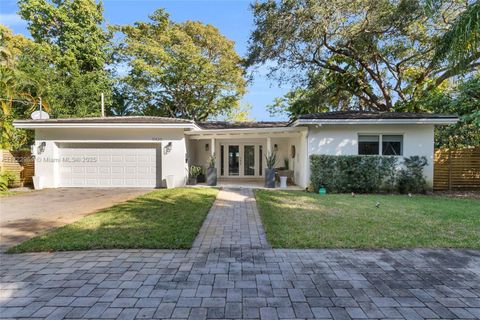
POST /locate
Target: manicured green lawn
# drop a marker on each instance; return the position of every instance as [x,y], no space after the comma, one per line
[295,219]
[165,218]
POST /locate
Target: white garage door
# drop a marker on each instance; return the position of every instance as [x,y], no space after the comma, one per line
[109,165]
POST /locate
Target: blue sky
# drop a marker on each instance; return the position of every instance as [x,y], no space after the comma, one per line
[232,17]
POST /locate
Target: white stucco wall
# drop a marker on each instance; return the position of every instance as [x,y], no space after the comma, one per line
[418,140]
[200,155]
[297,163]
[301,163]
[326,139]
[172,162]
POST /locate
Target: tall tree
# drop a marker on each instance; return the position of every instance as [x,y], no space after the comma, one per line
[23,79]
[121,102]
[186,70]
[238,113]
[373,54]
[79,44]
[462,99]
[320,93]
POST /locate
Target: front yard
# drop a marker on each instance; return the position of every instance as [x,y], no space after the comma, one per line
[295,219]
[165,218]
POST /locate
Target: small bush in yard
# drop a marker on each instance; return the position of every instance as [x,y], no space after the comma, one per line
[6,180]
[3,182]
[362,174]
[410,178]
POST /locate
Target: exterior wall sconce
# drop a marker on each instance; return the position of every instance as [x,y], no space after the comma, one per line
[207,147]
[168,147]
[275,147]
[41,147]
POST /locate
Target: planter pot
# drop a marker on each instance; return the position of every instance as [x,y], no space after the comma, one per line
[192,181]
[286,173]
[283,182]
[170,181]
[201,178]
[269,178]
[211,176]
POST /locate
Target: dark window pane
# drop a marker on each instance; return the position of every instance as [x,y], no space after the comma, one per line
[249,160]
[392,145]
[260,159]
[233,160]
[368,148]
[368,145]
[222,158]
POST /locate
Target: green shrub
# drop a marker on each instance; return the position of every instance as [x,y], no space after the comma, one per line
[410,177]
[3,183]
[362,174]
[194,171]
[271,160]
[6,179]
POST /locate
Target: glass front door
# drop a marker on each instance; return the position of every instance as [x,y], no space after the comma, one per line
[249,160]
[233,160]
[241,160]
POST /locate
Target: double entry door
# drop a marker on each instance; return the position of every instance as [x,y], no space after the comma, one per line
[241,160]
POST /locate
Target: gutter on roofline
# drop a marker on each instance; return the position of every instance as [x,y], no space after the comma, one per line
[34,125]
[438,121]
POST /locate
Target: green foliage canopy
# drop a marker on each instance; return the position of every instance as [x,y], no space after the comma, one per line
[458,45]
[183,70]
[79,51]
[23,78]
[366,54]
[462,99]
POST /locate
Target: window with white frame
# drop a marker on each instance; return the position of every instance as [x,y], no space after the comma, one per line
[392,145]
[384,144]
[368,144]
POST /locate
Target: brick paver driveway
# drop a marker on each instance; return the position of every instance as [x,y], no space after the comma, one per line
[231,273]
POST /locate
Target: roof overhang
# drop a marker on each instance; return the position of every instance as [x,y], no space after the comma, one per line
[36,124]
[434,121]
[247,132]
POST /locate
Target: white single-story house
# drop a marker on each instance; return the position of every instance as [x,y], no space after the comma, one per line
[143,151]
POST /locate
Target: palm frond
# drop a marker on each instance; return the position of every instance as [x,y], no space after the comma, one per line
[462,41]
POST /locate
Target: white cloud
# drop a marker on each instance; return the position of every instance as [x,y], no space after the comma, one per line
[11,20]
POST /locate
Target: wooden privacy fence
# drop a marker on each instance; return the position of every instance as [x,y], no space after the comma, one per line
[21,164]
[457,169]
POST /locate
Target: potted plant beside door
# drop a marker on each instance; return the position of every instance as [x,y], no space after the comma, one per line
[211,171]
[193,173]
[271,160]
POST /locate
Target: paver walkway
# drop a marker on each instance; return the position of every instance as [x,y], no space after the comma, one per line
[233,222]
[222,276]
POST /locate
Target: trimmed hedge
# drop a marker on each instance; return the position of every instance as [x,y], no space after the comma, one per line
[362,174]
[410,178]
